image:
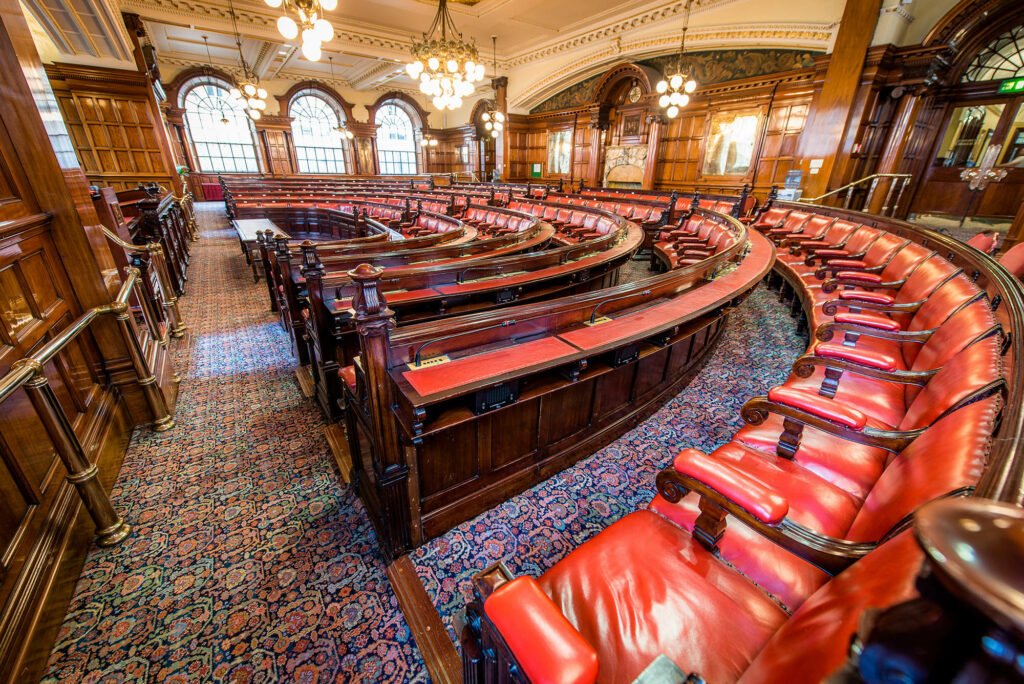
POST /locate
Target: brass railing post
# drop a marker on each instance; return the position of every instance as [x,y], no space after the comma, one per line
[176,325]
[154,396]
[111,529]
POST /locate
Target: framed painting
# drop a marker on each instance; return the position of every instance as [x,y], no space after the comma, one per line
[731,142]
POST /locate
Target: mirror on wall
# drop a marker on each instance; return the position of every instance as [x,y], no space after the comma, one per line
[559,151]
[731,139]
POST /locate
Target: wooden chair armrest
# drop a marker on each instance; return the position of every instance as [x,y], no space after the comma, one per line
[804,367]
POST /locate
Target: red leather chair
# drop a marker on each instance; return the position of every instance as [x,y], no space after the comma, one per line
[771,218]
[986,241]
[1013,260]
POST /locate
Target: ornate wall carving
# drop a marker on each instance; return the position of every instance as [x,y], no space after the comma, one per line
[715,66]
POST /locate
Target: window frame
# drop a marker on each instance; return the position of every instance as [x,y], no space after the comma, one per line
[216,155]
[393,160]
[323,159]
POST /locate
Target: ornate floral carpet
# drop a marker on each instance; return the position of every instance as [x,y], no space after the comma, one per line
[532,531]
[249,562]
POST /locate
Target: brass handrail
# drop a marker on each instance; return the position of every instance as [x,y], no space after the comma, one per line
[887,208]
[175,325]
[111,529]
[185,203]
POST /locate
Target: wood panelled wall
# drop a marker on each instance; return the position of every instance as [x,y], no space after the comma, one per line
[115,125]
[55,264]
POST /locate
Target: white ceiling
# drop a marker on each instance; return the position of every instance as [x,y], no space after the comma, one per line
[543,45]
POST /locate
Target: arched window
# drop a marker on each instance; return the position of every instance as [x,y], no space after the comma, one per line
[1002,59]
[318,144]
[396,140]
[221,131]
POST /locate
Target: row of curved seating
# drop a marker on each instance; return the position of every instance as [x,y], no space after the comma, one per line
[755,562]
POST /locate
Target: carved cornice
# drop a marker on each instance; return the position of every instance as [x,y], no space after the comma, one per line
[814,37]
[59,71]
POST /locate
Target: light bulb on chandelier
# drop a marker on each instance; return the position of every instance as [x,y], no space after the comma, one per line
[675,90]
[247,94]
[445,64]
[314,29]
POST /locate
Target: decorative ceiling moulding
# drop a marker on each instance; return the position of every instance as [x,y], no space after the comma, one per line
[260,24]
[810,37]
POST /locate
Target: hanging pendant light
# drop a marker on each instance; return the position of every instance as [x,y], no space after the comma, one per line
[342,128]
[247,92]
[494,118]
[224,120]
[446,65]
[675,90]
[311,24]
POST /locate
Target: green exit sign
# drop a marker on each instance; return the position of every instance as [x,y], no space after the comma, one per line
[1012,85]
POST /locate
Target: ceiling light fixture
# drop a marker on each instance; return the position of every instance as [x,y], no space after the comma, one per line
[446,65]
[248,91]
[494,118]
[342,129]
[309,21]
[209,72]
[676,89]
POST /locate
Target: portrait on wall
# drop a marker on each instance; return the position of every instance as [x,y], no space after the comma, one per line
[559,151]
[730,143]
[631,126]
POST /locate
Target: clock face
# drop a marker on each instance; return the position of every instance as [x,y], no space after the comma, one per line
[635,93]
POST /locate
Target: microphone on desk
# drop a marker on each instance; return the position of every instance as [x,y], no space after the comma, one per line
[593,314]
[419,350]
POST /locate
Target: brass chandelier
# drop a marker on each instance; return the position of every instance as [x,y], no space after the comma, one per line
[309,20]
[676,89]
[248,91]
[494,118]
[445,63]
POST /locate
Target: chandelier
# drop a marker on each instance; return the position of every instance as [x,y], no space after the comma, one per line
[310,21]
[341,129]
[248,92]
[446,66]
[676,89]
[494,118]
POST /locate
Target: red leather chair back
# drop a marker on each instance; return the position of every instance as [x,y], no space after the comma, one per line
[904,262]
[861,240]
[883,249]
[966,325]
[1013,260]
[948,457]
[973,369]
[771,218]
[987,241]
[925,279]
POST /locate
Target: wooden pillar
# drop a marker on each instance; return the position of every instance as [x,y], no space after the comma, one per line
[598,124]
[822,138]
[1016,233]
[654,125]
[374,322]
[891,158]
[364,147]
[137,31]
[501,154]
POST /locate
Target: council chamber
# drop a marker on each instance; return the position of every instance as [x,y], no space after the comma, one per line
[502,342]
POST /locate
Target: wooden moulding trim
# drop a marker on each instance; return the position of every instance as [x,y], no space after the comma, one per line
[438,651]
[58,71]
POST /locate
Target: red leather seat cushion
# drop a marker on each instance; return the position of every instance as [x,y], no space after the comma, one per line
[833,411]
[824,623]
[884,402]
[850,468]
[348,376]
[643,587]
[784,575]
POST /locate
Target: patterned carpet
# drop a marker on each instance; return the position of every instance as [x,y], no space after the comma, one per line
[249,562]
[534,530]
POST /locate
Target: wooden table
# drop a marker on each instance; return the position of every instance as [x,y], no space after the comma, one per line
[247,229]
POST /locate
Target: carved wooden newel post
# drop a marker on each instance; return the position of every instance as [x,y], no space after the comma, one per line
[374,321]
